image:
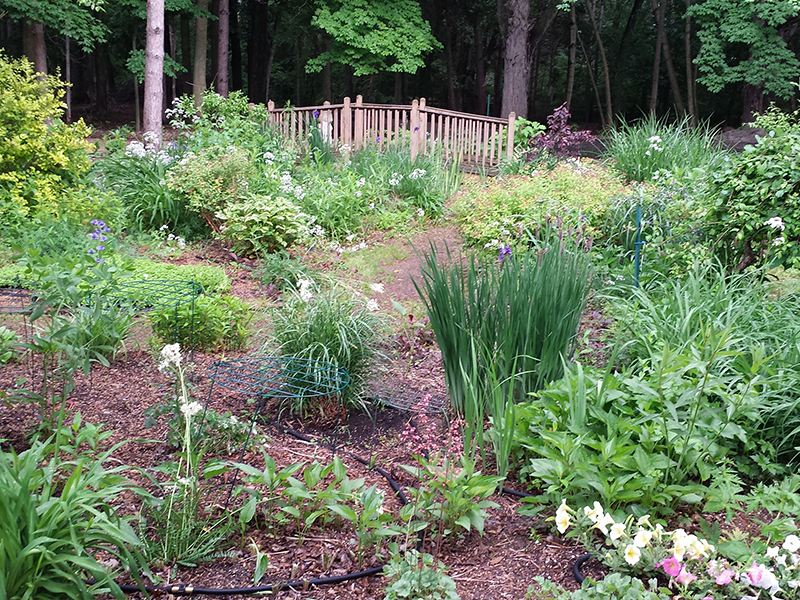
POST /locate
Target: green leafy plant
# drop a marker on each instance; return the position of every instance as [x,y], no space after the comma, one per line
[210,322]
[369,520]
[213,279]
[58,513]
[452,495]
[8,344]
[417,576]
[755,199]
[281,270]
[262,224]
[332,327]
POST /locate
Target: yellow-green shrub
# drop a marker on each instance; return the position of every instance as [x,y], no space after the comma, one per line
[41,157]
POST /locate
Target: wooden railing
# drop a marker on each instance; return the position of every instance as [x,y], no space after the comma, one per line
[477,140]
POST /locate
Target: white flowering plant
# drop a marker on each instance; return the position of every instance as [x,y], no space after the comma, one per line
[678,562]
[177,523]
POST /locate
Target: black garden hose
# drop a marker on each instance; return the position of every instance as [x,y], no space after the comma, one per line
[576,568]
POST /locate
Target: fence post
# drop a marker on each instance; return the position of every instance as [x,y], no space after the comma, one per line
[423,127]
[358,142]
[415,129]
[346,132]
[510,143]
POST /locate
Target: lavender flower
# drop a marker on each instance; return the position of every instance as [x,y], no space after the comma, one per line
[505,251]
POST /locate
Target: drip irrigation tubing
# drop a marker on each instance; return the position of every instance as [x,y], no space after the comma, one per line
[576,568]
[304,584]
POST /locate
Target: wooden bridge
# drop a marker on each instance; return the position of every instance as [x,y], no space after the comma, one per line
[477,141]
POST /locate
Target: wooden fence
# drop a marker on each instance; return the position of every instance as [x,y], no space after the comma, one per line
[478,141]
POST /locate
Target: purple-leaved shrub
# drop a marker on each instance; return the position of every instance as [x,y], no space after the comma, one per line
[560,140]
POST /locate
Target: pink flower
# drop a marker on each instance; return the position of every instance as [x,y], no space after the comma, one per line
[725,577]
[754,574]
[685,577]
[708,598]
[671,566]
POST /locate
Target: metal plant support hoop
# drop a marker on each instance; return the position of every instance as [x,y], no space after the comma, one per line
[146,295]
[279,377]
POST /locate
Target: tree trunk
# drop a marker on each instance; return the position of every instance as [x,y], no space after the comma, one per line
[327,89]
[136,99]
[224,31]
[398,88]
[480,67]
[594,83]
[656,70]
[102,65]
[603,62]
[753,102]
[259,42]
[659,8]
[184,82]
[516,66]
[236,50]
[573,43]
[624,50]
[33,45]
[154,70]
[68,78]
[200,42]
[213,39]
[690,97]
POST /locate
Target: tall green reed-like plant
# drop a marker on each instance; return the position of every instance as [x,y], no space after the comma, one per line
[522,313]
[57,513]
[650,145]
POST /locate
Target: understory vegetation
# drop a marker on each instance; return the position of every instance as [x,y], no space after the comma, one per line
[625,438]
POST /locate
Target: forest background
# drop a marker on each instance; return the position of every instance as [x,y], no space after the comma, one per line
[715,60]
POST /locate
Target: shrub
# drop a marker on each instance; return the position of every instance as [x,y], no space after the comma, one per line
[755,203]
[502,210]
[210,323]
[211,179]
[331,327]
[416,576]
[43,157]
[262,224]
[560,140]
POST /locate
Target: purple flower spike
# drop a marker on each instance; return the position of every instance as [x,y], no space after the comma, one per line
[505,251]
[91,250]
[100,248]
[316,114]
[103,238]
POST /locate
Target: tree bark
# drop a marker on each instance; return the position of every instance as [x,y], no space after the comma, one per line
[154,70]
[184,81]
[213,35]
[236,50]
[102,65]
[753,102]
[200,42]
[659,8]
[327,88]
[573,43]
[68,77]
[603,62]
[223,29]
[516,66]
[592,79]
[33,45]
[690,96]
[624,50]
[656,70]
[480,67]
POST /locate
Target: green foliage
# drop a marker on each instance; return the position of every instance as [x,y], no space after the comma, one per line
[41,158]
[227,121]
[210,180]
[8,343]
[58,511]
[525,131]
[521,313]
[212,322]
[755,203]
[503,210]
[452,497]
[613,586]
[332,327]
[385,35]
[262,224]
[652,147]
[726,27]
[416,576]
[138,177]
[213,279]
[281,270]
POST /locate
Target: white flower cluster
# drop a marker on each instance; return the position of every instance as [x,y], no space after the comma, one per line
[189,409]
[135,149]
[170,355]
[417,174]
[395,179]
[775,223]
[304,289]
[269,158]
[654,144]
[361,182]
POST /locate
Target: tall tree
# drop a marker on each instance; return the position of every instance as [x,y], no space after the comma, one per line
[223,33]
[373,36]
[516,63]
[154,71]
[747,42]
[200,43]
